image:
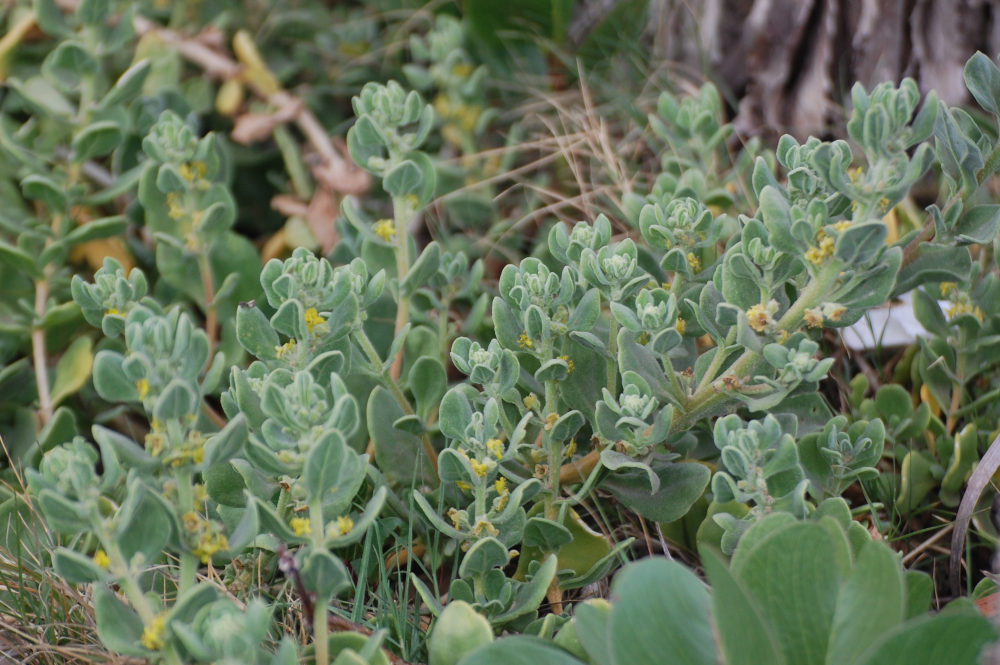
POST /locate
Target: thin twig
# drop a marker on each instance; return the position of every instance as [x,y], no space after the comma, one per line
[40,355]
[912,554]
[333,169]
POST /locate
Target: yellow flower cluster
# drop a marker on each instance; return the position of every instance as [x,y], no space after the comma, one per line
[823,249]
[101,559]
[550,421]
[524,341]
[206,535]
[966,308]
[485,528]
[694,262]
[569,362]
[285,348]
[154,633]
[142,385]
[814,317]
[174,209]
[313,319]
[301,526]
[457,115]
[193,171]
[479,468]
[385,229]
[759,316]
[341,526]
[495,448]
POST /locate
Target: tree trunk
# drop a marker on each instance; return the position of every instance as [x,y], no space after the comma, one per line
[788,65]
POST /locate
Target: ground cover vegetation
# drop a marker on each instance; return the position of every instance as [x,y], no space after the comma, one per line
[400,333]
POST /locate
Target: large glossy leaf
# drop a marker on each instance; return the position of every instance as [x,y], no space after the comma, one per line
[870,603]
[681,484]
[745,636]
[792,575]
[661,615]
[954,639]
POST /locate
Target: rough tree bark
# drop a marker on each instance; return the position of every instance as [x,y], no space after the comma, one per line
[789,64]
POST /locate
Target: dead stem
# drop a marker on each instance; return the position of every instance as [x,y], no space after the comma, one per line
[40,356]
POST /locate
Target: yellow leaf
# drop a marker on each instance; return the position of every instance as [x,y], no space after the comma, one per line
[93,253]
[73,369]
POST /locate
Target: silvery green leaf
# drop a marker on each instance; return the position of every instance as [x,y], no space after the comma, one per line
[614,460]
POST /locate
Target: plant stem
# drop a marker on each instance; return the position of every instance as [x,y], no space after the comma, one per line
[713,367]
[555,449]
[400,212]
[443,330]
[208,287]
[185,504]
[612,383]
[393,386]
[128,583]
[321,640]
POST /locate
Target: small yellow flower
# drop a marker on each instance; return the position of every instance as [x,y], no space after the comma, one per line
[694,262]
[111,310]
[531,401]
[301,526]
[948,288]
[464,486]
[479,468]
[834,311]
[569,362]
[153,634]
[823,251]
[285,348]
[200,493]
[344,524]
[570,449]
[842,225]
[313,319]
[681,325]
[965,308]
[192,521]
[550,421]
[192,171]
[485,528]
[142,385]
[855,173]
[385,229]
[101,559]
[814,317]
[209,543]
[174,208]
[759,316]
[524,341]
[495,446]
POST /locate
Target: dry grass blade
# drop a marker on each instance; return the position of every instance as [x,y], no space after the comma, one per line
[988,465]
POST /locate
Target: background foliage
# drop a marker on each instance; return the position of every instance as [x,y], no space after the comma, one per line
[308,356]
